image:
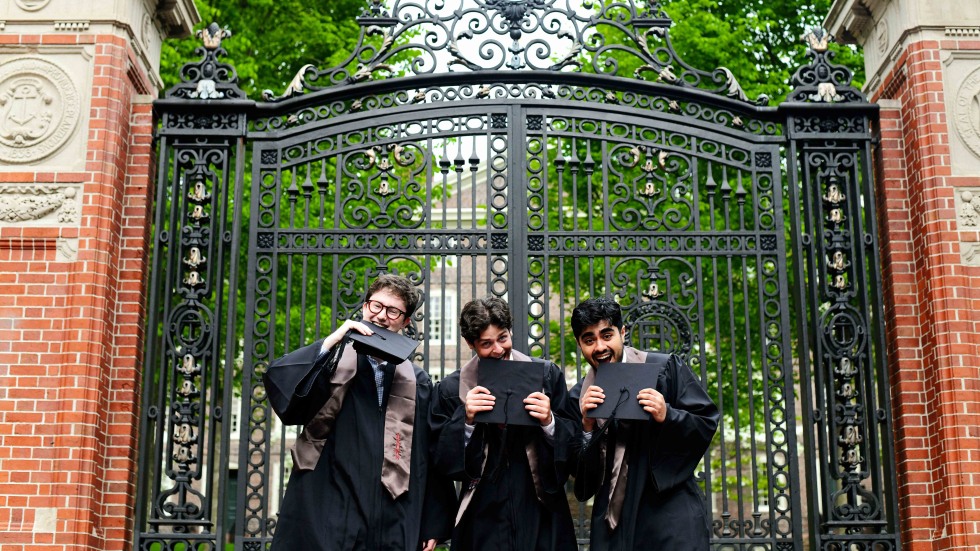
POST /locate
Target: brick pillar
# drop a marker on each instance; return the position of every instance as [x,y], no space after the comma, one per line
[77,80]
[923,63]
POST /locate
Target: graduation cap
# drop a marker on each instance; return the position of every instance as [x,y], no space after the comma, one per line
[621,382]
[510,382]
[387,345]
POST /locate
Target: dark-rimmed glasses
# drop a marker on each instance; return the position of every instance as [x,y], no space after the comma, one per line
[391,312]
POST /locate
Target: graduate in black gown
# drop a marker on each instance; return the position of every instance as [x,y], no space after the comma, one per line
[359,479]
[513,478]
[641,473]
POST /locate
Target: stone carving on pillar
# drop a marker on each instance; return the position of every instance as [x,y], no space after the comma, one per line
[177,17]
[66,249]
[146,30]
[968,211]
[72,26]
[957,32]
[967,202]
[40,204]
[966,112]
[39,109]
[31,5]
[881,36]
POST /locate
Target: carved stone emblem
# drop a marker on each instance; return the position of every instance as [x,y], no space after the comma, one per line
[881,36]
[39,109]
[32,5]
[967,203]
[966,112]
[968,211]
[146,28]
[30,204]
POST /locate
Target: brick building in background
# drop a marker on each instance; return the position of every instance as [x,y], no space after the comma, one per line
[77,78]
[923,65]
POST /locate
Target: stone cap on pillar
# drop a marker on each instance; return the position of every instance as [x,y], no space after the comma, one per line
[143,24]
[885,28]
[852,21]
[178,17]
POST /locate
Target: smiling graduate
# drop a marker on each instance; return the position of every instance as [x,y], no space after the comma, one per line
[513,470]
[640,472]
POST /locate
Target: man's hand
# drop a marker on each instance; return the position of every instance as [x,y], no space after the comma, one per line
[591,400]
[428,545]
[653,403]
[539,406]
[477,399]
[338,335]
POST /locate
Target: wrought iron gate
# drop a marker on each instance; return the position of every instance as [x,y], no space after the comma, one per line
[738,235]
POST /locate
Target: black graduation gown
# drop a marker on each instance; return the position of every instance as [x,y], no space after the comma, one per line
[663,509]
[505,513]
[341,504]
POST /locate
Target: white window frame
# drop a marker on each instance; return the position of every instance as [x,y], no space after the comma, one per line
[440,313]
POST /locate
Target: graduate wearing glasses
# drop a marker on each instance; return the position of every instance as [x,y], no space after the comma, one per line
[359,477]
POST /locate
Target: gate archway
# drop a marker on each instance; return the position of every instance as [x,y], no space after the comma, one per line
[556,165]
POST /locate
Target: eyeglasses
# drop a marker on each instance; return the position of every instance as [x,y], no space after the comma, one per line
[391,312]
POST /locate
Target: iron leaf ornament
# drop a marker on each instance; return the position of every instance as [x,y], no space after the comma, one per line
[822,81]
[209,78]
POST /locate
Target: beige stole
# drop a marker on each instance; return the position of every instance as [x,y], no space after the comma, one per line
[399,422]
[617,482]
[468,376]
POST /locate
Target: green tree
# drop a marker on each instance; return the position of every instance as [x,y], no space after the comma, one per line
[272,39]
[758,40]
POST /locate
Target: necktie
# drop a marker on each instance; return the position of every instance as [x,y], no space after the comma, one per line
[379,378]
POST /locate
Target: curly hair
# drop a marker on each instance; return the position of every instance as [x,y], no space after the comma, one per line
[479,314]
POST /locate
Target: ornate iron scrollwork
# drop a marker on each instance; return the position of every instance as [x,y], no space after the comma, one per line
[822,81]
[840,266]
[534,35]
[661,326]
[180,503]
[208,79]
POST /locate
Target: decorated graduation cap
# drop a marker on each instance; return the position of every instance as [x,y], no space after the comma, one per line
[621,382]
[389,346]
[509,382]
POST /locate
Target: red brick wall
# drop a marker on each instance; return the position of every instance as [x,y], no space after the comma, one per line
[932,309]
[70,331]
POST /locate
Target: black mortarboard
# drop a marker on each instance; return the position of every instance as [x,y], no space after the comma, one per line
[509,382]
[621,382]
[387,345]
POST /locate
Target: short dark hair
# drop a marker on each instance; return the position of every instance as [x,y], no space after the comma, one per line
[591,311]
[481,313]
[399,286]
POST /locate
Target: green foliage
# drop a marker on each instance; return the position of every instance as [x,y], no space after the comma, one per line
[758,40]
[272,39]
